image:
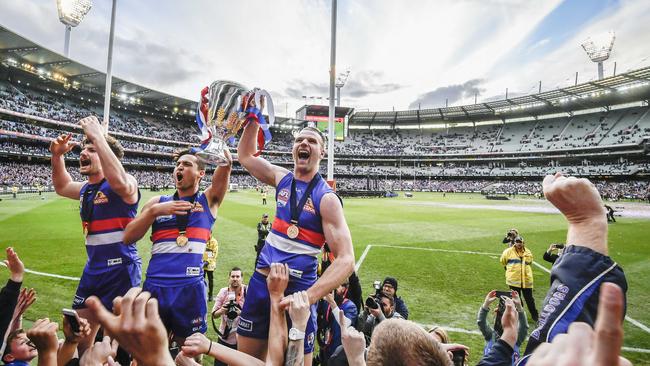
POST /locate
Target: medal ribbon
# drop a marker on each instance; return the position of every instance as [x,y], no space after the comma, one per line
[297,210]
[182,220]
[87,209]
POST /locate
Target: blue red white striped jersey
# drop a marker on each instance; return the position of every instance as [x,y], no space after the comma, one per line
[301,253]
[175,264]
[110,215]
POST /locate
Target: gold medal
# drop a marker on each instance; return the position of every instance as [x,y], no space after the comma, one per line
[181,240]
[292,231]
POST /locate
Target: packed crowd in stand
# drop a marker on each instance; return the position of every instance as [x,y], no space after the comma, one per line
[31,175]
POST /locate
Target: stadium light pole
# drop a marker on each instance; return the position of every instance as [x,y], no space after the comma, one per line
[597,54]
[71,13]
[332,109]
[340,82]
[109,69]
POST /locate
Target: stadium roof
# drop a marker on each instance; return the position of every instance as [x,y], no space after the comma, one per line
[628,87]
[29,56]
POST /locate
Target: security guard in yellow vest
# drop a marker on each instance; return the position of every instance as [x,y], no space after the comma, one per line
[517,261]
[210,262]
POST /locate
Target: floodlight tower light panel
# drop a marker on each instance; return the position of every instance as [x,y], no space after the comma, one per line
[72,12]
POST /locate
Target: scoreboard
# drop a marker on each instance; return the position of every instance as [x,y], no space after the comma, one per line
[318,116]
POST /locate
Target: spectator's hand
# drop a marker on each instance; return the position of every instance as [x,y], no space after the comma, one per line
[72,337]
[576,198]
[516,300]
[584,346]
[277,282]
[61,145]
[330,300]
[179,207]
[510,323]
[184,360]
[489,299]
[354,343]
[25,300]
[450,347]
[92,128]
[375,312]
[299,309]
[196,344]
[100,353]
[138,328]
[15,265]
[43,335]
[551,248]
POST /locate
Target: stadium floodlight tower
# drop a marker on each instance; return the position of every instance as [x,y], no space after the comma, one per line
[599,54]
[340,82]
[71,13]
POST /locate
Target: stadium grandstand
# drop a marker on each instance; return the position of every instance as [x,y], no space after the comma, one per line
[599,129]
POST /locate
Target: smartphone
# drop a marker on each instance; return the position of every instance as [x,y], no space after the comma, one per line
[458,357]
[73,319]
[503,293]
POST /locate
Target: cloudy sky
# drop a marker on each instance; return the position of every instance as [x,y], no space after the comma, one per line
[401,54]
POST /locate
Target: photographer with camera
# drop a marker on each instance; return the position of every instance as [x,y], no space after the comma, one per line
[491,335]
[228,305]
[389,288]
[378,307]
[551,257]
[510,237]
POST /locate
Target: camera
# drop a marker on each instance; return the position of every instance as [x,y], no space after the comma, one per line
[458,357]
[232,306]
[559,246]
[373,300]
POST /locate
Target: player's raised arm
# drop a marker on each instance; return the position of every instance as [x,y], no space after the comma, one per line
[258,167]
[61,179]
[338,238]
[121,183]
[216,192]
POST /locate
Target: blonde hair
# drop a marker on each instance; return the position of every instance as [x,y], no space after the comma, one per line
[441,333]
[399,342]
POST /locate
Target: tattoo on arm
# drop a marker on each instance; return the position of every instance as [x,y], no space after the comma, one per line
[295,354]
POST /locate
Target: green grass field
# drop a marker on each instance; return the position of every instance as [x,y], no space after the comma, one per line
[420,243]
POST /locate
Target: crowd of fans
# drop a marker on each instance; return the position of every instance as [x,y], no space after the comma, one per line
[31,175]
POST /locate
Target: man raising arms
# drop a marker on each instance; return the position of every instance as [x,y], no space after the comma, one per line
[108,202]
[308,214]
[180,227]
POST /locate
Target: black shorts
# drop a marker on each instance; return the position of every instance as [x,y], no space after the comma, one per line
[576,278]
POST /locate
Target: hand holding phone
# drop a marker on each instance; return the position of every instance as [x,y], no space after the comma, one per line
[73,319]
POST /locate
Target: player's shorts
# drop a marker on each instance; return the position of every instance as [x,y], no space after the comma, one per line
[108,285]
[576,278]
[183,309]
[256,314]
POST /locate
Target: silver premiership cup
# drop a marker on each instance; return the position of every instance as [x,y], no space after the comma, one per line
[224,119]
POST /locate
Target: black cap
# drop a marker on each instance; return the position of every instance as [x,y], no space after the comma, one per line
[391,281]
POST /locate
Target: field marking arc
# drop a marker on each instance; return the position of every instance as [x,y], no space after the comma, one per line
[45,274]
[365,253]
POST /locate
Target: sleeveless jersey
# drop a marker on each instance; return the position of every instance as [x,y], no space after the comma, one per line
[110,215]
[173,264]
[301,253]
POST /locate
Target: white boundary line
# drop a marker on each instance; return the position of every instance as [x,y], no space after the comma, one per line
[48,274]
[365,253]
[362,258]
